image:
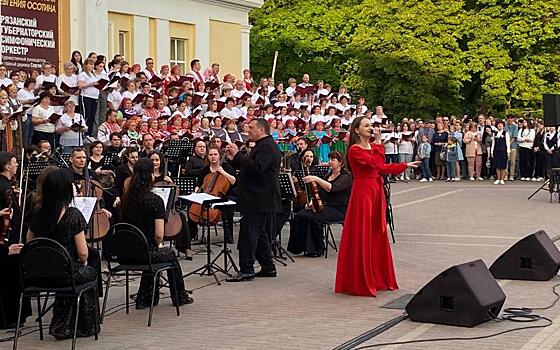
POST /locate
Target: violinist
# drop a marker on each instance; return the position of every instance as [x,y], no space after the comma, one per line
[148,142]
[116,143]
[306,234]
[227,171]
[145,210]
[10,287]
[8,192]
[296,159]
[122,172]
[183,241]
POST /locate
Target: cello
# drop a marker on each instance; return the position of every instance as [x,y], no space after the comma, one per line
[173,223]
[100,223]
[214,184]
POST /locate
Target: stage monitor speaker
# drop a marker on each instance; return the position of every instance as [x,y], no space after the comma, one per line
[551,108]
[463,295]
[534,258]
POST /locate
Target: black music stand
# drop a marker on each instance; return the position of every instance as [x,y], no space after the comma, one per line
[186,186]
[35,168]
[389,207]
[226,252]
[177,151]
[287,191]
[210,268]
[107,161]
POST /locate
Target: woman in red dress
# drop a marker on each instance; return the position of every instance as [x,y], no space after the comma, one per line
[365,263]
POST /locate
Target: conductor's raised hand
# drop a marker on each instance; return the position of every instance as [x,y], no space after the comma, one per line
[414,164]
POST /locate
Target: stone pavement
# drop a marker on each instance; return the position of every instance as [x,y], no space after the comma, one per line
[438,225]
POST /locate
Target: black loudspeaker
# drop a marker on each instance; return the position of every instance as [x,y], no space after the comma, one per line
[551,107]
[534,258]
[463,295]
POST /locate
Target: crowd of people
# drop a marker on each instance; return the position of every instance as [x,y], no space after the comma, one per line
[245,131]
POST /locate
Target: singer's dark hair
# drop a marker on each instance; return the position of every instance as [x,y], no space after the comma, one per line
[141,184]
[56,195]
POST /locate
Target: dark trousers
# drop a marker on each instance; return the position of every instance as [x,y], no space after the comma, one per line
[89,106]
[526,159]
[40,135]
[306,232]
[540,160]
[254,242]
[174,276]
[391,159]
[183,241]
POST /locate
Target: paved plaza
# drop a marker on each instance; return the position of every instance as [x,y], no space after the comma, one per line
[437,225]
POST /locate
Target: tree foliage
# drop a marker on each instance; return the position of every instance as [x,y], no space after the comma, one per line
[418,58]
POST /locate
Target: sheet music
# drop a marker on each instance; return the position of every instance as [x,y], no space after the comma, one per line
[86,205]
[164,193]
[198,197]
[223,204]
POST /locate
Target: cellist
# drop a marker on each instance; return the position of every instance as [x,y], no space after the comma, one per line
[183,240]
[215,165]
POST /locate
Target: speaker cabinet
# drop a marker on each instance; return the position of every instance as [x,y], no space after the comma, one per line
[551,109]
[464,295]
[534,258]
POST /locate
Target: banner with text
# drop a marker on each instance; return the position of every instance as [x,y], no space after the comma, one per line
[29,33]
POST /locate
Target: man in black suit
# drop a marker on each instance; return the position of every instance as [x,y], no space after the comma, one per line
[258,192]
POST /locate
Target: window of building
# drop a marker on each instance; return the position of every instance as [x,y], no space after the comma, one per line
[123,42]
[178,54]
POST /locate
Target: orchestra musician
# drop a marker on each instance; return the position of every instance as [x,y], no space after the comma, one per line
[258,192]
[230,174]
[296,159]
[183,241]
[193,168]
[53,218]
[124,171]
[10,248]
[145,210]
[306,233]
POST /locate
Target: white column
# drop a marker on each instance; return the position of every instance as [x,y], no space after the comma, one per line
[77,26]
[162,42]
[245,47]
[202,42]
[95,22]
[141,39]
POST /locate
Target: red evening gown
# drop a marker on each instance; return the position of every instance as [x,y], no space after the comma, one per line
[365,263]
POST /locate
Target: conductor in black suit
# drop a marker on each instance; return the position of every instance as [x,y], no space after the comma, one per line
[258,192]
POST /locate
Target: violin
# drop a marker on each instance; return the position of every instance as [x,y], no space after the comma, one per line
[173,223]
[214,184]
[316,202]
[6,220]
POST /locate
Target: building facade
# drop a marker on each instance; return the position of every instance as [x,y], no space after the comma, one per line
[170,31]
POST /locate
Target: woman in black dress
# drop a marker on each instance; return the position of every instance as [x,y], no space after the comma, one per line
[183,240]
[144,209]
[439,140]
[53,218]
[306,234]
[500,152]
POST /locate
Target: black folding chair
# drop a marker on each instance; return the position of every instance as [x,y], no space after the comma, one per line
[329,236]
[126,245]
[46,267]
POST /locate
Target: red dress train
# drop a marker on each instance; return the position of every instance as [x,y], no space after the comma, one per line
[365,263]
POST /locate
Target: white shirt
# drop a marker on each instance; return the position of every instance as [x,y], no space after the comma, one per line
[290,91]
[91,91]
[41,113]
[71,81]
[6,82]
[70,137]
[233,113]
[115,98]
[317,118]
[41,78]
[390,147]
[24,95]
[525,137]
